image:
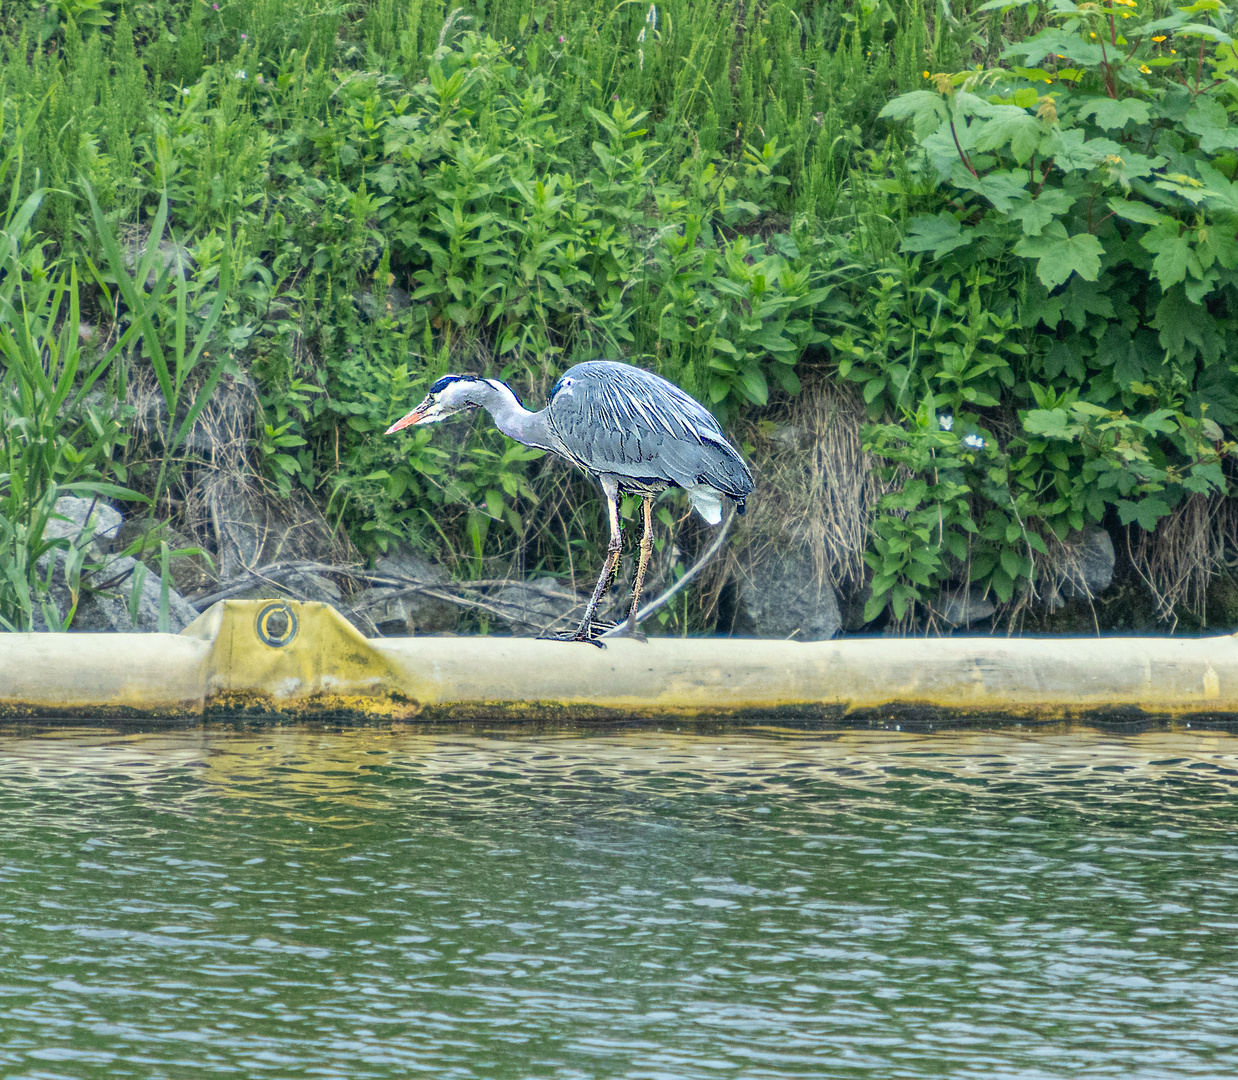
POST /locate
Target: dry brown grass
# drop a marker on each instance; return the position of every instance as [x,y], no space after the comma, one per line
[1189,547]
[816,487]
[216,497]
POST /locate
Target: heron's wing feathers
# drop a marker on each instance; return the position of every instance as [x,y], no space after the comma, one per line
[615,418]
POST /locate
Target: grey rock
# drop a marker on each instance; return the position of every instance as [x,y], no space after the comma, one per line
[306,585]
[1086,563]
[782,600]
[965,609]
[402,562]
[104,593]
[303,585]
[401,612]
[1081,566]
[397,610]
[103,602]
[189,573]
[254,527]
[108,609]
[75,516]
[528,606]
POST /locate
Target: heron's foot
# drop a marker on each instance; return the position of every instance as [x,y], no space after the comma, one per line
[589,634]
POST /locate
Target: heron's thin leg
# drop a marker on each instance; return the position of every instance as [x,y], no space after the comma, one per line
[646,548]
[583,632]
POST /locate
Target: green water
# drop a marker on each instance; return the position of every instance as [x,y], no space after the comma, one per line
[374,903]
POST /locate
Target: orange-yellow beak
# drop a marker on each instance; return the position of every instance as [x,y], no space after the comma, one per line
[407,421]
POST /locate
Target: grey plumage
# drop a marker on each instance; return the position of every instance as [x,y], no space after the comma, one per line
[615,419]
[636,432]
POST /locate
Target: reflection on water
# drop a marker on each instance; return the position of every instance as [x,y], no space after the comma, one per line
[295,902]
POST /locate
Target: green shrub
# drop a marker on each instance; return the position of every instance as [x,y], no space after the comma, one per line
[1070,303]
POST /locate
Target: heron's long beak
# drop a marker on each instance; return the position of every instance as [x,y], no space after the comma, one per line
[415,417]
[428,410]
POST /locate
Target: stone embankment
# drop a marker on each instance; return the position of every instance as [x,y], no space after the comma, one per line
[404,593]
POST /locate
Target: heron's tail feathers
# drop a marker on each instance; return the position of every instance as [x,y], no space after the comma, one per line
[706,501]
[723,469]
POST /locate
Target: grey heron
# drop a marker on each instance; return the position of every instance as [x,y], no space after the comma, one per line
[636,432]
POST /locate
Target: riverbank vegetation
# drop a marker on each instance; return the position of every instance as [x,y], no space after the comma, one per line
[241,237]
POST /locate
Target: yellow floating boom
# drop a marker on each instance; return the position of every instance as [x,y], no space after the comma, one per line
[284,659]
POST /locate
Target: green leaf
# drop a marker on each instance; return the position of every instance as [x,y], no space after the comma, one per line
[874,606]
[1001,188]
[1035,214]
[1059,255]
[1173,254]
[1010,562]
[1054,42]
[1144,513]
[926,109]
[1202,30]
[1139,212]
[1072,151]
[754,385]
[1051,423]
[1003,584]
[1015,127]
[940,234]
[1209,120]
[1113,114]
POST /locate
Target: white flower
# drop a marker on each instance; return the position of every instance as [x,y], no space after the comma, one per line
[240,74]
[946,422]
[974,441]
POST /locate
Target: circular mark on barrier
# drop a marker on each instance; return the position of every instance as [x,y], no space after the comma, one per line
[277,625]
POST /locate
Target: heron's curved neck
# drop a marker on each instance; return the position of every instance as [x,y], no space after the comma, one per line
[513,419]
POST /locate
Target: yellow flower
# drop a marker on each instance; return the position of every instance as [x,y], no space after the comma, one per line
[1145,69]
[1173,52]
[1159,37]
[1092,35]
[926,74]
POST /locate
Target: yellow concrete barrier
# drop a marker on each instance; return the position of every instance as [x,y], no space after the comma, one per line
[281,658]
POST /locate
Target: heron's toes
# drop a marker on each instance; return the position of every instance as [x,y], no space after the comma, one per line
[590,635]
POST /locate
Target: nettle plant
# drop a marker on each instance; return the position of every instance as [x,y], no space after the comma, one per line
[1085,190]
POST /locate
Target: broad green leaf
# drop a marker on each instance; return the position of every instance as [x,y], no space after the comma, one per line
[1144,513]
[1209,120]
[1202,30]
[1035,214]
[1113,114]
[1059,255]
[1072,151]
[926,109]
[1174,256]
[1054,43]
[1001,187]
[1219,192]
[1051,423]
[1013,127]
[940,234]
[1139,212]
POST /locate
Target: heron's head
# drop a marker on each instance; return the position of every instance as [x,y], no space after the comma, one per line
[450,395]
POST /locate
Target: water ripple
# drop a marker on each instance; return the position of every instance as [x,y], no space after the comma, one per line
[296,902]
